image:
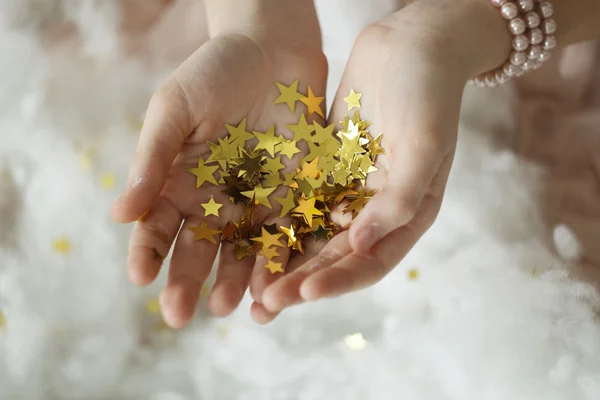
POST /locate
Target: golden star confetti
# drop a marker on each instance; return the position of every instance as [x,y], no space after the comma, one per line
[249,168]
[353,99]
[289,95]
[62,245]
[203,173]
[313,103]
[355,342]
[274,267]
[204,232]
[211,208]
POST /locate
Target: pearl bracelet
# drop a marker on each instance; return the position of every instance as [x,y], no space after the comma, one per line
[532,26]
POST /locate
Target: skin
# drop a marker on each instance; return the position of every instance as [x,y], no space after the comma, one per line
[411,68]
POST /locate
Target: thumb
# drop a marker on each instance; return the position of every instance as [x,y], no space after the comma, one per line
[166,126]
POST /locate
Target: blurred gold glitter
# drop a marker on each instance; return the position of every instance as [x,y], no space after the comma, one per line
[223,331]
[355,342]
[85,160]
[204,291]
[108,180]
[153,306]
[2,320]
[62,245]
[413,274]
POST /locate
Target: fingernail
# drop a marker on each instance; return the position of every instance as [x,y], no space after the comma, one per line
[368,236]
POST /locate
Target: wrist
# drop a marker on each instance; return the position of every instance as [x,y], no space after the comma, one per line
[291,24]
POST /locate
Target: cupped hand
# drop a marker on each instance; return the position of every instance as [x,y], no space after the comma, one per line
[411,73]
[228,79]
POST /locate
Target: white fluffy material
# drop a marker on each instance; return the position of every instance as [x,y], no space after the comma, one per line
[493,315]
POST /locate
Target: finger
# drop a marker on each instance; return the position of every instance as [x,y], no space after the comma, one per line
[262,277]
[168,122]
[360,270]
[190,266]
[357,271]
[151,241]
[233,278]
[285,292]
[261,315]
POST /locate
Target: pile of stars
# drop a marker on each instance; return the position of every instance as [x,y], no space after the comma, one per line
[249,168]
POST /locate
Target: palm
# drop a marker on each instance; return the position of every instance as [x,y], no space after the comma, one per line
[417,109]
[226,80]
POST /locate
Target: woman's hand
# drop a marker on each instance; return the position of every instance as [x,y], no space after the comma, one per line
[231,77]
[411,70]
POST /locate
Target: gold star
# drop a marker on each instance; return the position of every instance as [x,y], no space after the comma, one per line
[274,165]
[62,246]
[357,204]
[274,267]
[310,170]
[289,149]
[272,180]
[353,100]
[307,209]
[204,173]
[211,208]
[287,203]
[322,134]
[289,95]
[267,140]
[204,232]
[316,150]
[289,178]
[322,234]
[302,130]
[268,240]
[239,135]
[269,253]
[260,195]
[293,241]
[374,146]
[313,103]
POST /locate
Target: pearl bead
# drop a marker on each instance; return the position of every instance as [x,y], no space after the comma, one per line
[490,79]
[517,26]
[534,52]
[479,81]
[545,56]
[533,20]
[520,43]
[509,11]
[528,65]
[498,3]
[546,9]
[536,36]
[526,5]
[549,43]
[549,26]
[510,69]
[501,77]
[518,57]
